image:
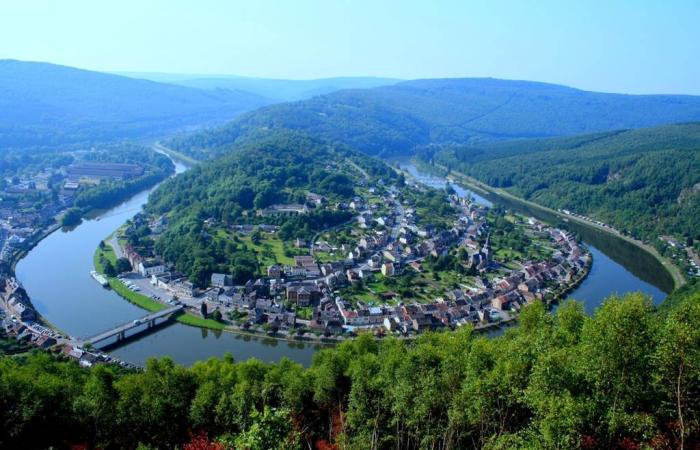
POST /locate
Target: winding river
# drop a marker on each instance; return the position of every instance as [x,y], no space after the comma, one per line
[56,276]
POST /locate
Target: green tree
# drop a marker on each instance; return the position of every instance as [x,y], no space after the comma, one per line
[678,375]
[269,430]
[123,265]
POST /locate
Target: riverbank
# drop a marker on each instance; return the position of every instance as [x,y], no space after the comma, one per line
[174,154]
[140,300]
[188,317]
[673,270]
[308,337]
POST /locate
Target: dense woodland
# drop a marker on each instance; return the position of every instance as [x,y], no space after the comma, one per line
[281,168]
[644,181]
[51,106]
[628,377]
[394,120]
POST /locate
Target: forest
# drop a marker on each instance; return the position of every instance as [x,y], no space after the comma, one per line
[627,377]
[645,181]
[48,105]
[281,168]
[394,120]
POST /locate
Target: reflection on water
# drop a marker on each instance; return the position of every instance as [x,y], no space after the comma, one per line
[56,274]
[439,182]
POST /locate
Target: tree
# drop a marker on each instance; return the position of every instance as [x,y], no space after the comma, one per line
[203,309]
[107,267]
[678,375]
[270,430]
[95,405]
[72,216]
[216,315]
[123,265]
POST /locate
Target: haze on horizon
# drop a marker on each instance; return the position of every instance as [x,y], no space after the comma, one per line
[640,47]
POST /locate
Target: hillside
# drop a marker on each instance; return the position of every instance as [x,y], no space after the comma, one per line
[44,104]
[646,181]
[394,120]
[280,169]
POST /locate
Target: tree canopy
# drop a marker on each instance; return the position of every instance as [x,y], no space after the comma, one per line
[627,377]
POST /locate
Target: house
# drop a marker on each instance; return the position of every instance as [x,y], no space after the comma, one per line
[501,303]
[392,255]
[274,271]
[303,293]
[87,360]
[284,210]
[421,322]
[315,198]
[388,269]
[151,267]
[185,288]
[221,280]
[375,260]
[45,341]
[22,311]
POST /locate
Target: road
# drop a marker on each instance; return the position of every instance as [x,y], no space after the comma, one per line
[130,325]
[114,243]
[359,169]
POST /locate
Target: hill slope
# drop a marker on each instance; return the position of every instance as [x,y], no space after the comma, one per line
[395,119]
[646,180]
[278,169]
[44,104]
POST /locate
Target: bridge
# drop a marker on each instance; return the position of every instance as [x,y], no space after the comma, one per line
[120,331]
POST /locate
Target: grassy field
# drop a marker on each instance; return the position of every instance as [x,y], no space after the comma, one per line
[325,257]
[270,250]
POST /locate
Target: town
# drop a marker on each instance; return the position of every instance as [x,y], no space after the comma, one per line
[32,205]
[340,282]
[36,202]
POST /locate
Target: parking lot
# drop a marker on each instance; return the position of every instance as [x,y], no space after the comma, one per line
[146,288]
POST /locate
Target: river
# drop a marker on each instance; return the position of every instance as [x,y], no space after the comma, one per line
[618,266]
[56,276]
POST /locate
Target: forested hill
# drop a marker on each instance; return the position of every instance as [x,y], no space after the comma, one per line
[45,104]
[281,168]
[646,181]
[391,120]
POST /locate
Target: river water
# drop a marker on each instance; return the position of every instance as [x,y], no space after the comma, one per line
[56,276]
[618,266]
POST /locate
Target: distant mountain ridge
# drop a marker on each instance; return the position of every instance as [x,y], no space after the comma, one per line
[396,119]
[44,104]
[278,90]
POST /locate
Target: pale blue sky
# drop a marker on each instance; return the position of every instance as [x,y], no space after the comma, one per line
[635,46]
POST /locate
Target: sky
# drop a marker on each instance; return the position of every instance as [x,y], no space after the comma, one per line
[632,46]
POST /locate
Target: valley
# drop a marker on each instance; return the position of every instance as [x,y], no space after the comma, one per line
[438,263]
